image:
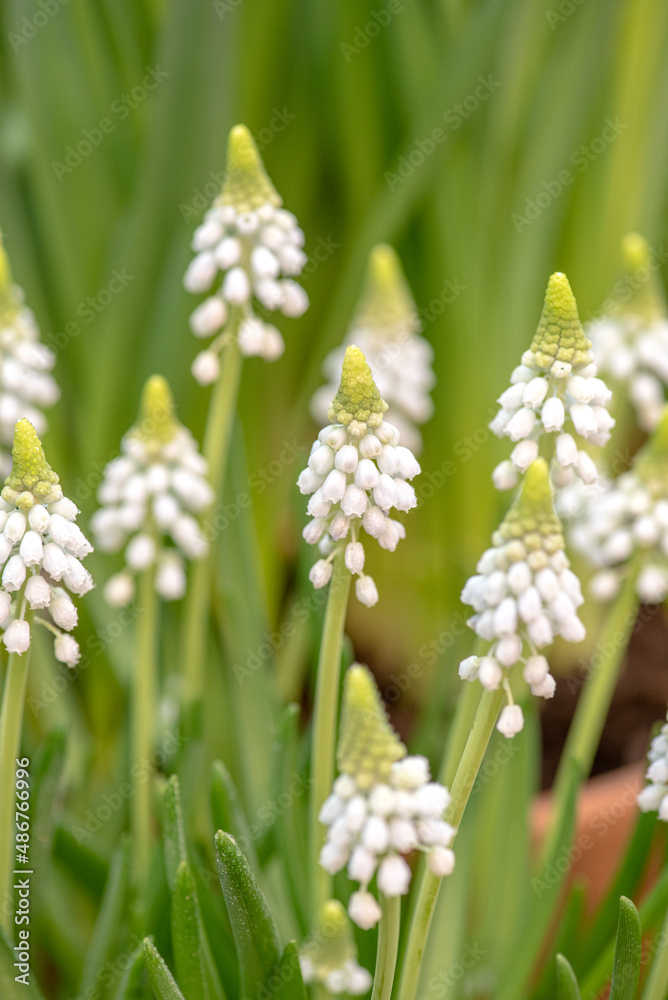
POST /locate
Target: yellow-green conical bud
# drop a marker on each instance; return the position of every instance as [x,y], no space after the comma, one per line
[247,185]
[532,519]
[331,945]
[386,302]
[644,292]
[651,462]
[157,421]
[560,336]
[368,746]
[358,402]
[32,480]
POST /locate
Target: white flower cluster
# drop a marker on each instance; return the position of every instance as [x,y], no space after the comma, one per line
[329,955]
[386,329]
[356,473]
[523,595]
[630,520]
[553,388]
[655,795]
[41,549]
[26,385]
[383,805]
[631,341]
[153,490]
[257,246]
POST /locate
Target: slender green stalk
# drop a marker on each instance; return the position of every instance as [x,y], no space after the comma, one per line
[594,703]
[657,981]
[144,699]
[388,946]
[11,722]
[467,771]
[325,713]
[216,447]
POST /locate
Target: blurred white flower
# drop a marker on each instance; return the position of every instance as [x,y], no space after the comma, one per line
[154,491]
[654,797]
[386,329]
[329,955]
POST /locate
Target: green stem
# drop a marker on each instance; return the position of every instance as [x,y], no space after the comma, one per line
[11,721]
[593,705]
[217,437]
[657,981]
[325,714]
[388,946]
[467,771]
[144,706]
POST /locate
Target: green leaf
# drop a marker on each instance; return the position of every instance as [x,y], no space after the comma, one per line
[9,988]
[47,774]
[195,967]
[567,984]
[286,982]
[252,924]
[109,918]
[227,812]
[161,978]
[130,983]
[175,838]
[628,953]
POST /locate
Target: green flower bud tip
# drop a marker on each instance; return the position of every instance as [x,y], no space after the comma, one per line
[647,298]
[358,401]
[560,336]
[532,518]
[247,185]
[331,945]
[157,421]
[386,301]
[32,480]
[368,746]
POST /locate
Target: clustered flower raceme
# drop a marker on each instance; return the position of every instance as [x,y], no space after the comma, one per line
[257,245]
[152,492]
[523,595]
[554,388]
[628,525]
[386,329]
[26,385]
[631,340]
[329,956]
[41,549]
[357,472]
[383,805]
[654,797]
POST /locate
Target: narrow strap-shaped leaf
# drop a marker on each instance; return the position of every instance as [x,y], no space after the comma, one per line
[195,969]
[47,774]
[252,924]
[286,982]
[162,981]
[567,984]
[628,953]
[172,821]
[109,918]
[227,812]
[130,982]
[291,823]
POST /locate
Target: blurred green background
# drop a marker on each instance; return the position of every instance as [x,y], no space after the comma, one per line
[343,99]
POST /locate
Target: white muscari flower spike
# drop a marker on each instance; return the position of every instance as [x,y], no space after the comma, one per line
[386,328]
[40,551]
[654,796]
[26,384]
[383,804]
[523,595]
[356,473]
[554,391]
[630,342]
[153,492]
[629,522]
[329,955]
[257,246]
